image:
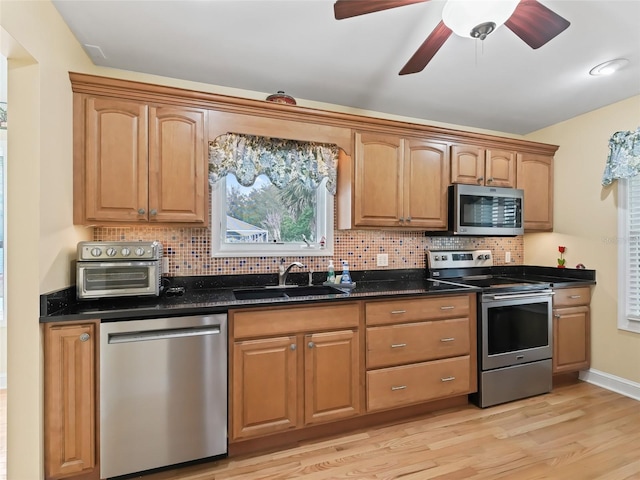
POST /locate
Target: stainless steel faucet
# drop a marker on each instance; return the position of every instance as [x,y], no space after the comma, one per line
[284,272]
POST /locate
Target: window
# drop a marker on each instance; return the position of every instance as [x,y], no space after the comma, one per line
[271,196]
[264,220]
[629,254]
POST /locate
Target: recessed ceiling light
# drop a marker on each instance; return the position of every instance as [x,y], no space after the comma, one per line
[607,68]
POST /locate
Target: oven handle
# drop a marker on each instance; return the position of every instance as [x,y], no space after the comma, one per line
[516,296]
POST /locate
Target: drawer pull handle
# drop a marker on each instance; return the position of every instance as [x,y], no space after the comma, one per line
[447,379]
[575,296]
[398,345]
[449,339]
[399,387]
[447,307]
[396,312]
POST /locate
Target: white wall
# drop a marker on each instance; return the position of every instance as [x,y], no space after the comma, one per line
[585,221]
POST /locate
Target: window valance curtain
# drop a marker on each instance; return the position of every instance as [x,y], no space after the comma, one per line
[283,161]
[624,156]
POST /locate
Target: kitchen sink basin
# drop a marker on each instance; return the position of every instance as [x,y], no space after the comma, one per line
[284,292]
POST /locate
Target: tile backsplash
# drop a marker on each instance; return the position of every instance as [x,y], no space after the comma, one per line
[188,249]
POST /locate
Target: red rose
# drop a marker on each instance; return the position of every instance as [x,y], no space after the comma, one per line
[562,249]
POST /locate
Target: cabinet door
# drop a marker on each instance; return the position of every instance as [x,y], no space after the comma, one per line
[378,175]
[467,164]
[115,160]
[571,339]
[426,178]
[265,386]
[70,399]
[177,165]
[500,168]
[535,177]
[332,373]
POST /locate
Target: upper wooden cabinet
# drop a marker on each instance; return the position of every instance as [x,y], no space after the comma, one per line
[535,177]
[478,166]
[393,182]
[138,162]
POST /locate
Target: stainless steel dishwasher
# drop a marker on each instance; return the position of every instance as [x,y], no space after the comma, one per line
[163,392]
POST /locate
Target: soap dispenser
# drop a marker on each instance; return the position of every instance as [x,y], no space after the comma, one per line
[346,278]
[331,273]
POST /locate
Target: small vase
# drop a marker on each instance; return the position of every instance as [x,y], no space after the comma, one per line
[560,266]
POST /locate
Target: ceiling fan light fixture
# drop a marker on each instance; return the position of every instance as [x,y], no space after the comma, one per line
[473,18]
[607,68]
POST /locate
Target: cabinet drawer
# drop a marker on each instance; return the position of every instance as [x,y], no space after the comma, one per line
[403,311]
[569,297]
[398,386]
[417,342]
[279,321]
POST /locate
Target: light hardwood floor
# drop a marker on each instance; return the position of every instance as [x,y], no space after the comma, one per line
[577,432]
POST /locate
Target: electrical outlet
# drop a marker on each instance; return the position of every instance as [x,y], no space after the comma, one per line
[383,259]
[165,264]
[507,257]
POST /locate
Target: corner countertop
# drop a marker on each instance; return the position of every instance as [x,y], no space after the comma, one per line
[214,294]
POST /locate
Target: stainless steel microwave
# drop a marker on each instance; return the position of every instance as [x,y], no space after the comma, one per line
[485,211]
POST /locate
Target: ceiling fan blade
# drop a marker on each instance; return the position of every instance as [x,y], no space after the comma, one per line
[535,24]
[427,50]
[353,8]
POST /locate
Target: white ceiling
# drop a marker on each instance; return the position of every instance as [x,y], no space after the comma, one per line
[297,46]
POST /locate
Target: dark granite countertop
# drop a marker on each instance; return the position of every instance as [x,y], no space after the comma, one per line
[214,294]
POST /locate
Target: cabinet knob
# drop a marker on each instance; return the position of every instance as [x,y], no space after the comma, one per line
[408,219]
[398,387]
[489,180]
[153,211]
[401,219]
[557,315]
[84,337]
[141,211]
[398,345]
[448,339]
[480,179]
[293,346]
[311,344]
[447,379]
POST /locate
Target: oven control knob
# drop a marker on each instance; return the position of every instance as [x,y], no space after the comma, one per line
[487,256]
[444,257]
[111,252]
[436,258]
[125,252]
[96,252]
[139,251]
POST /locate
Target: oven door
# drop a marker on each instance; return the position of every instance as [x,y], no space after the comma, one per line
[117,279]
[515,328]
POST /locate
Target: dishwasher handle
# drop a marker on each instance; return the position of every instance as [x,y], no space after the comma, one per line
[164,334]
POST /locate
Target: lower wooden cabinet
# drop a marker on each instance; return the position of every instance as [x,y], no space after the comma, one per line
[419,350]
[417,382]
[293,367]
[571,329]
[70,405]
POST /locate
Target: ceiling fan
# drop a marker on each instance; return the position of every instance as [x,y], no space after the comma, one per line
[534,23]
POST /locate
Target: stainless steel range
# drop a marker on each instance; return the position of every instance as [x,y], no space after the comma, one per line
[514,326]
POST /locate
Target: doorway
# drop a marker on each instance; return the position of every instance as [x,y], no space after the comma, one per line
[3,321]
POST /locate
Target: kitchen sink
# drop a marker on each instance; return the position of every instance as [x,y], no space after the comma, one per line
[284,292]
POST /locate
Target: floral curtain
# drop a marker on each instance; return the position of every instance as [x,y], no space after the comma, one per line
[624,156]
[283,161]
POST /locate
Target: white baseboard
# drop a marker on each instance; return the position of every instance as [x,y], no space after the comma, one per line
[611,382]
